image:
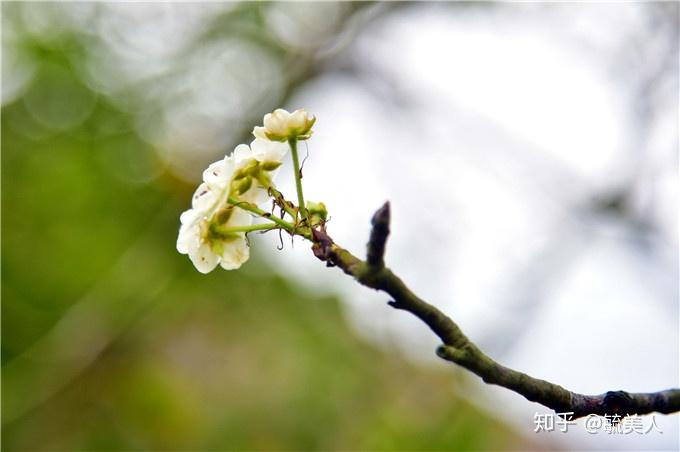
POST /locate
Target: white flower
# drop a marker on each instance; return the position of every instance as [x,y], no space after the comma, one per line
[282,125]
[206,233]
[200,234]
[207,248]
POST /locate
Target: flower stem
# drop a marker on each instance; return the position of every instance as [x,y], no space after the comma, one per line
[284,204]
[251,228]
[291,228]
[298,179]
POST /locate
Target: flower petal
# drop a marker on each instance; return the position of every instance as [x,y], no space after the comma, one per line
[241,155]
[188,216]
[239,218]
[297,120]
[204,259]
[275,123]
[215,175]
[268,151]
[236,252]
[204,198]
[184,238]
[259,132]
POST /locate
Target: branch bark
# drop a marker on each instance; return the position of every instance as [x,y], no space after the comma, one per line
[459,349]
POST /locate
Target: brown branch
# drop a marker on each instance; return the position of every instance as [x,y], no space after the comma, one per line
[378,238]
[458,349]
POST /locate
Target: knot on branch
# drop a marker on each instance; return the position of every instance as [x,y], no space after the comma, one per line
[378,238]
[323,247]
[618,402]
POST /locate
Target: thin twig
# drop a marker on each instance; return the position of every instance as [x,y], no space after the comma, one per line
[458,349]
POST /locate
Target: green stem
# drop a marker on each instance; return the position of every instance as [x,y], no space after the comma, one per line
[251,228]
[284,205]
[298,180]
[303,232]
[259,212]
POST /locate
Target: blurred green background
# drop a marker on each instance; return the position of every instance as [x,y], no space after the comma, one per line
[110,339]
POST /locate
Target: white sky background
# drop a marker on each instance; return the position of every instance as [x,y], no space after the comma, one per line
[493,132]
[504,128]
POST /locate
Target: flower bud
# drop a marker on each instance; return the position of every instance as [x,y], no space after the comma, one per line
[281,125]
[270,166]
[243,185]
[317,211]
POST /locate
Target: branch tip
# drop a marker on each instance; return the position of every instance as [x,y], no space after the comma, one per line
[395,304]
[441,351]
[378,238]
[382,215]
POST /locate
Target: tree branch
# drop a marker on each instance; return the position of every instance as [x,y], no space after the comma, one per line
[458,349]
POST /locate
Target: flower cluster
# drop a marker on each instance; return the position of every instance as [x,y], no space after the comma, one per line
[211,232]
